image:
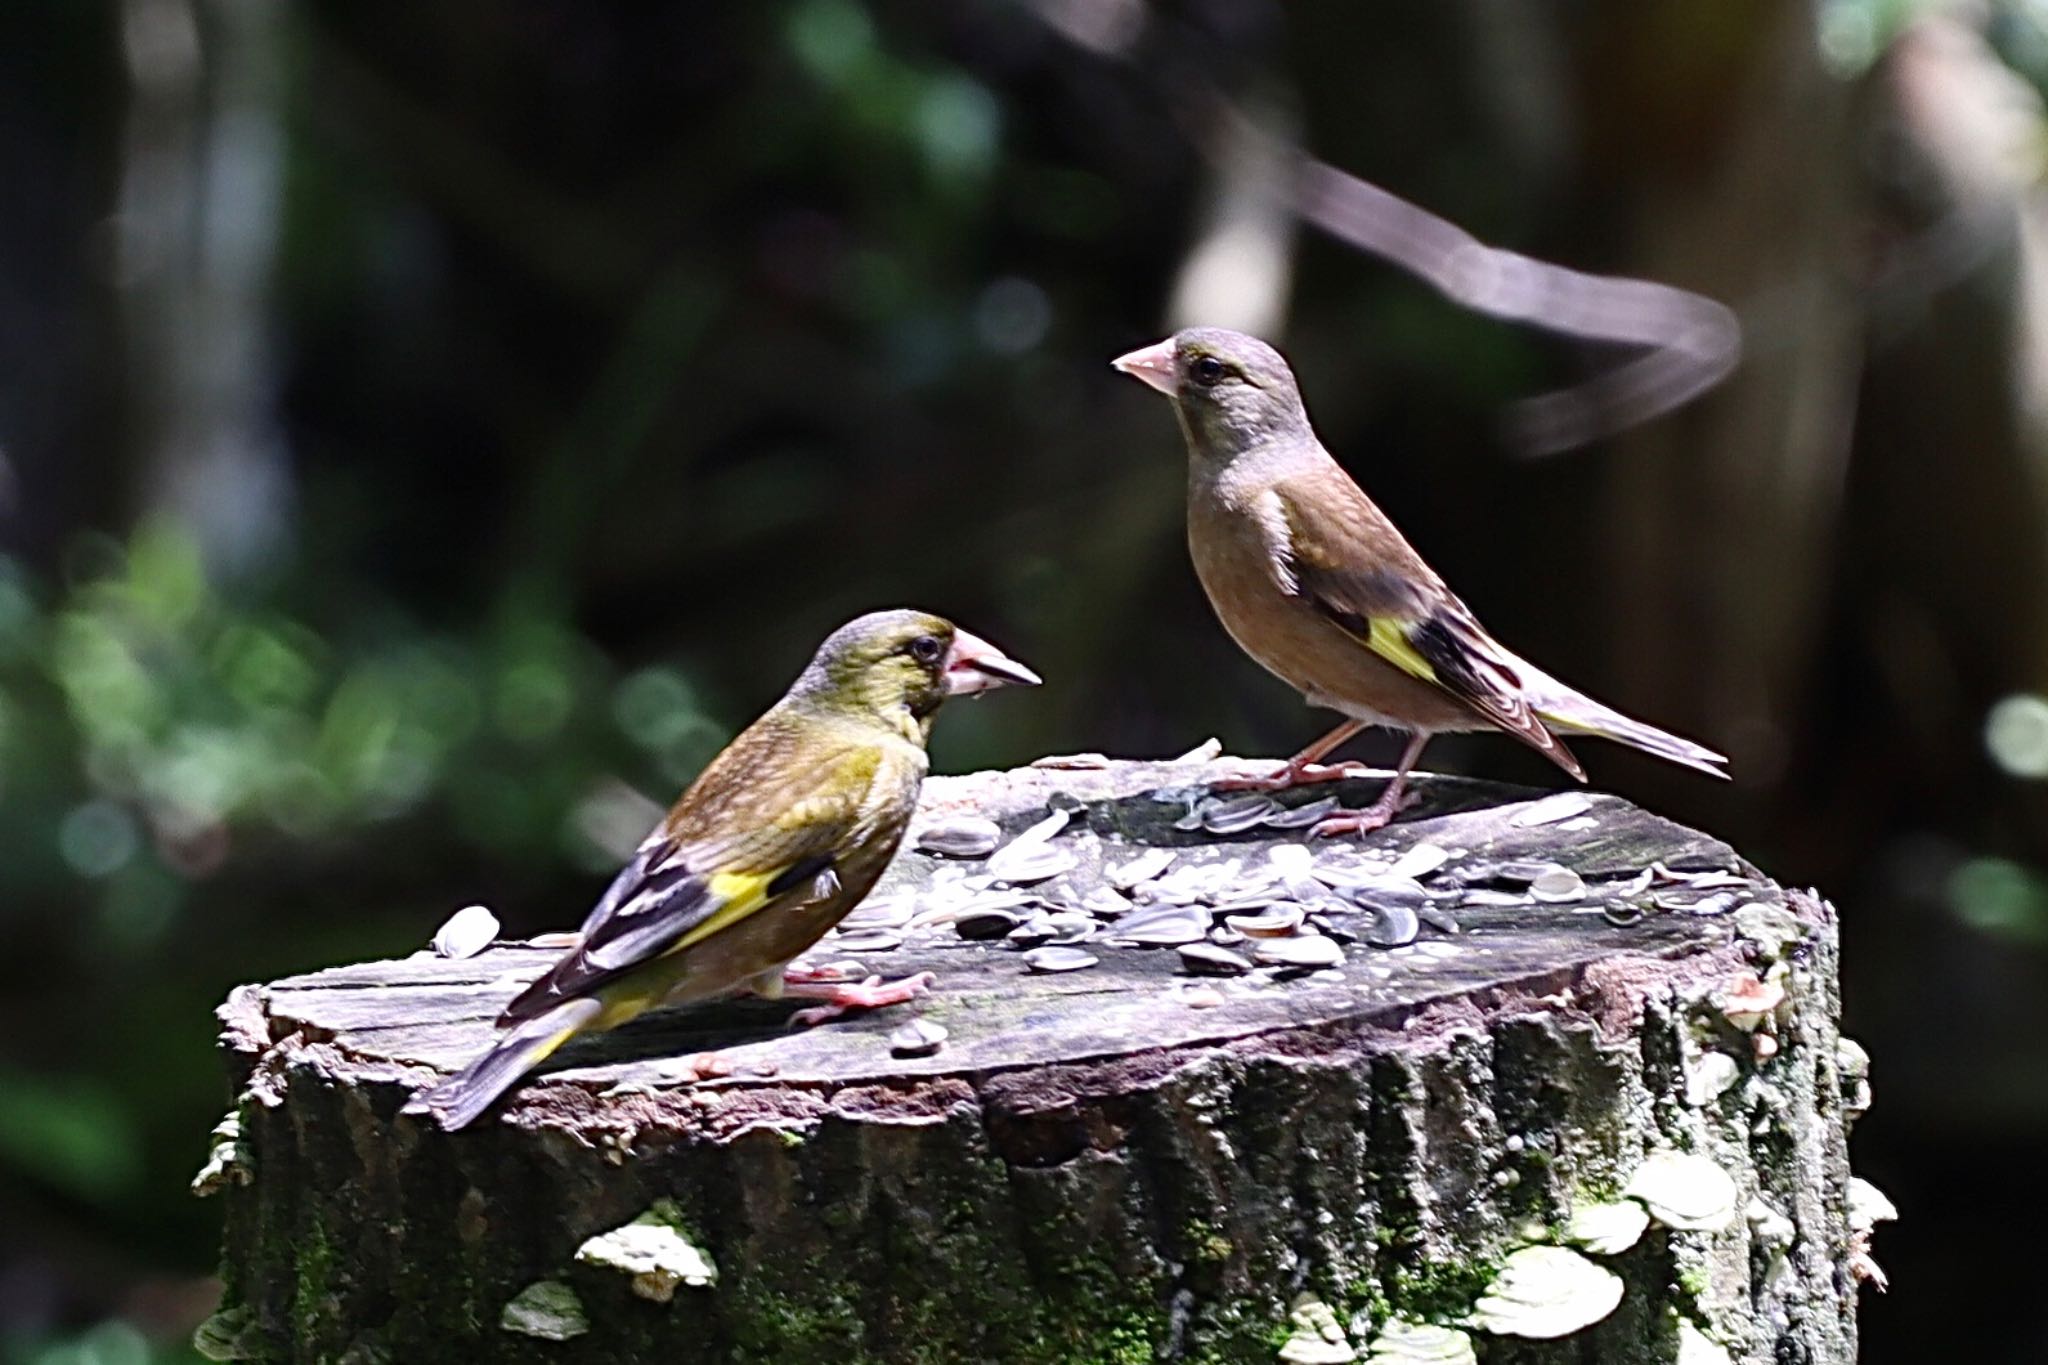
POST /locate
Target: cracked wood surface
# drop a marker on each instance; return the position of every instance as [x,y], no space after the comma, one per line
[427,1010]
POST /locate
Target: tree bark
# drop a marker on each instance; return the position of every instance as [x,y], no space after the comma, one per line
[1118,1164]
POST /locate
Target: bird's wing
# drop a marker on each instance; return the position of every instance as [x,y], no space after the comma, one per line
[767,819]
[1334,549]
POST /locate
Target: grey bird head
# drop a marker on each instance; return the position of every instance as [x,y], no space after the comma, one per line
[1233,392]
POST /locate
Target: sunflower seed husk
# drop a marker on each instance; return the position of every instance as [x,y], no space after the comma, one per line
[1393,926]
[1192,820]
[1058,959]
[1165,928]
[1070,926]
[1290,860]
[1378,892]
[1550,809]
[1208,959]
[1303,950]
[962,836]
[1142,868]
[879,912]
[1032,932]
[1557,885]
[1622,916]
[868,941]
[1519,873]
[466,933]
[1482,899]
[1223,936]
[1201,753]
[985,924]
[1104,903]
[1419,861]
[917,1038]
[1238,814]
[1275,921]
[1443,921]
[1303,815]
[1021,863]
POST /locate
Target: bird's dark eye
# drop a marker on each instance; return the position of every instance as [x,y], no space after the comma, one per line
[926,649]
[1207,371]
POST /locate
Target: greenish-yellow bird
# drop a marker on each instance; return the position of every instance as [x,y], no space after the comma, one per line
[783,834]
[1313,581]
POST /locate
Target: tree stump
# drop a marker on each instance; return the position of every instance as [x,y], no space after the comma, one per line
[1448,1146]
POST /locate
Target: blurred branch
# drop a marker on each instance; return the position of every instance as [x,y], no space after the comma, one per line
[1693,342]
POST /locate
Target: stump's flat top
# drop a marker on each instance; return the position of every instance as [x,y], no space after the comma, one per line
[1677,886]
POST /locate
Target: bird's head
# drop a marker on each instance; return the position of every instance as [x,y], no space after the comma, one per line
[899,666]
[1233,392]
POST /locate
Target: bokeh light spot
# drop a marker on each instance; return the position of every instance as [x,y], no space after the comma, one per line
[2016,734]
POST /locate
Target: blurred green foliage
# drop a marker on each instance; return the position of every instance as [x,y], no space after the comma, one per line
[617,353]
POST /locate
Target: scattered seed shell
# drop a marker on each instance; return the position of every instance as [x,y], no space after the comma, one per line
[868,941]
[466,933]
[1022,863]
[1142,868]
[1558,885]
[1307,951]
[1443,921]
[1393,926]
[1550,809]
[1208,959]
[917,1038]
[1238,813]
[962,836]
[1058,959]
[1544,1292]
[1162,928]
[986,924]
[1419,861]
[1275,921]
[1303,815]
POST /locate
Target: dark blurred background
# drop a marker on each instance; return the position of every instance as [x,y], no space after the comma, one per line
[427,431]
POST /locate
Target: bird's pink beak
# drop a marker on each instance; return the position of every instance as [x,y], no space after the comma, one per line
[1153,364]
[975,665]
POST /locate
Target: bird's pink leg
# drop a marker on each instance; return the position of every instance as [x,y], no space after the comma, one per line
[841,996]
[1383,810]
[1303,768]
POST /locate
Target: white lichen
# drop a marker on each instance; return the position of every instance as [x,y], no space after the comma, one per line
[1403,1342]
[227,1161]
[655,1250]
[1545,1292]
[1868,1206]
[1607,1229]
[1318,1338]
[547,1309]
[1684,1191]
[1696,1348]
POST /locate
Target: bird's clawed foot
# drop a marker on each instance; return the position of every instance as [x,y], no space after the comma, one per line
[1291,774]
[1376,816]
[839,997]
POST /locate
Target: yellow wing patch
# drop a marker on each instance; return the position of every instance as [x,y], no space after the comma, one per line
[1388,638]
[743,894]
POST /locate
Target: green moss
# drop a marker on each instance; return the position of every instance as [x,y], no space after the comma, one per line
[1437,1291]
[1694,1282]
[312,1289]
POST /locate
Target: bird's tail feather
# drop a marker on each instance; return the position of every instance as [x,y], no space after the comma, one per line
[457,1101]
[1576,713]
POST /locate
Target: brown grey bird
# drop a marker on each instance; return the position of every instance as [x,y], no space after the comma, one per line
[1313,581]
